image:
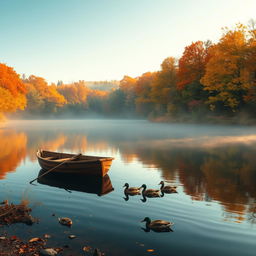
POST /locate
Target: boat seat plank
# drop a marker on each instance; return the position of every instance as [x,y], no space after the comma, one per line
[63,159]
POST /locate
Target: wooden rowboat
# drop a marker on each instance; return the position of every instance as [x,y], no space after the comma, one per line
[75,164]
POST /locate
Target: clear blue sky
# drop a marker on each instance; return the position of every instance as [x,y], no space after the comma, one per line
[73,40]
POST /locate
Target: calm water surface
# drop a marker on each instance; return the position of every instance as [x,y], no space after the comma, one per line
[214,168]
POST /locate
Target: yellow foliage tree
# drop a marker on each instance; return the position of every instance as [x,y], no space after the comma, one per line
[41,96]
[164,82]
[227,77]
[75,93]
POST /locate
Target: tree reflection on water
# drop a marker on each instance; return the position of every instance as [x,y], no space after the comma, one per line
[225,173]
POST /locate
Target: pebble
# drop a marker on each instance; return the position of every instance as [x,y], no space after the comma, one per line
[48,252]
[65,221]
[97,253]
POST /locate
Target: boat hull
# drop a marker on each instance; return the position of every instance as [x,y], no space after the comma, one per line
[82,165]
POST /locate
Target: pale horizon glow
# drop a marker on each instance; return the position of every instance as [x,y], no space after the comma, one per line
[105,40]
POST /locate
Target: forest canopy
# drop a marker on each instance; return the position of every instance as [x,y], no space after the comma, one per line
[210,81]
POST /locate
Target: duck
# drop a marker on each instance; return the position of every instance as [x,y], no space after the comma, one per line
[132,191]
[150,192]
[167,189]
[158,225]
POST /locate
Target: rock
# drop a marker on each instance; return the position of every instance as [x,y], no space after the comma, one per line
[71,236]
[5,202]
[46,236]
[65,221]
[48,252]
[97,252]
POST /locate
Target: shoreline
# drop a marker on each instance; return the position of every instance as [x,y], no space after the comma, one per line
[212,120]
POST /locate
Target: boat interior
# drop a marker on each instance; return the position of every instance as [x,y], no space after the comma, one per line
[60,157]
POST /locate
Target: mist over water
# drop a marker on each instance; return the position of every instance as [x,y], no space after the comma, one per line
[213,166]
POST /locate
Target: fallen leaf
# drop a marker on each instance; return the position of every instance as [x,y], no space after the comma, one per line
[35,239]
[86,248]
[12,238]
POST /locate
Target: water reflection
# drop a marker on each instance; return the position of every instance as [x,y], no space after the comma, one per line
[88,184]
[208,168]
[145,198]
[12,151]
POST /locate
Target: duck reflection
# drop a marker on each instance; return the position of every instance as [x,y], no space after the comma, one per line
[208,168]
[144,198]
[82,183]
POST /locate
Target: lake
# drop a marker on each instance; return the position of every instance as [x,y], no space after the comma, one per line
[213,167]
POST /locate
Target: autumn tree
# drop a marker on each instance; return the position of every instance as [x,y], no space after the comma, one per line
[144,103]
[192,64]
[250,64]
[12,90]
[164,86]
[43,98]
[191,69]
[228,76]
[97,102]
[128,86]
[75,93]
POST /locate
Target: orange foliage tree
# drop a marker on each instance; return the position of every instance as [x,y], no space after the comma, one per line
[164,86]
[12,90]
[41,96]
[191,69]
[192,64]
[75,93]
[250,64]
[229,75]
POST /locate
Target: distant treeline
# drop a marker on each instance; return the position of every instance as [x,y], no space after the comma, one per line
[210,82]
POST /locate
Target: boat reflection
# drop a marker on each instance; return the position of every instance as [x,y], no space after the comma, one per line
[82,183]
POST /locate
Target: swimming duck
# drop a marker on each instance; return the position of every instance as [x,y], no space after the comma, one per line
[158,225]
[150,192]
[132,191]
[167,189]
